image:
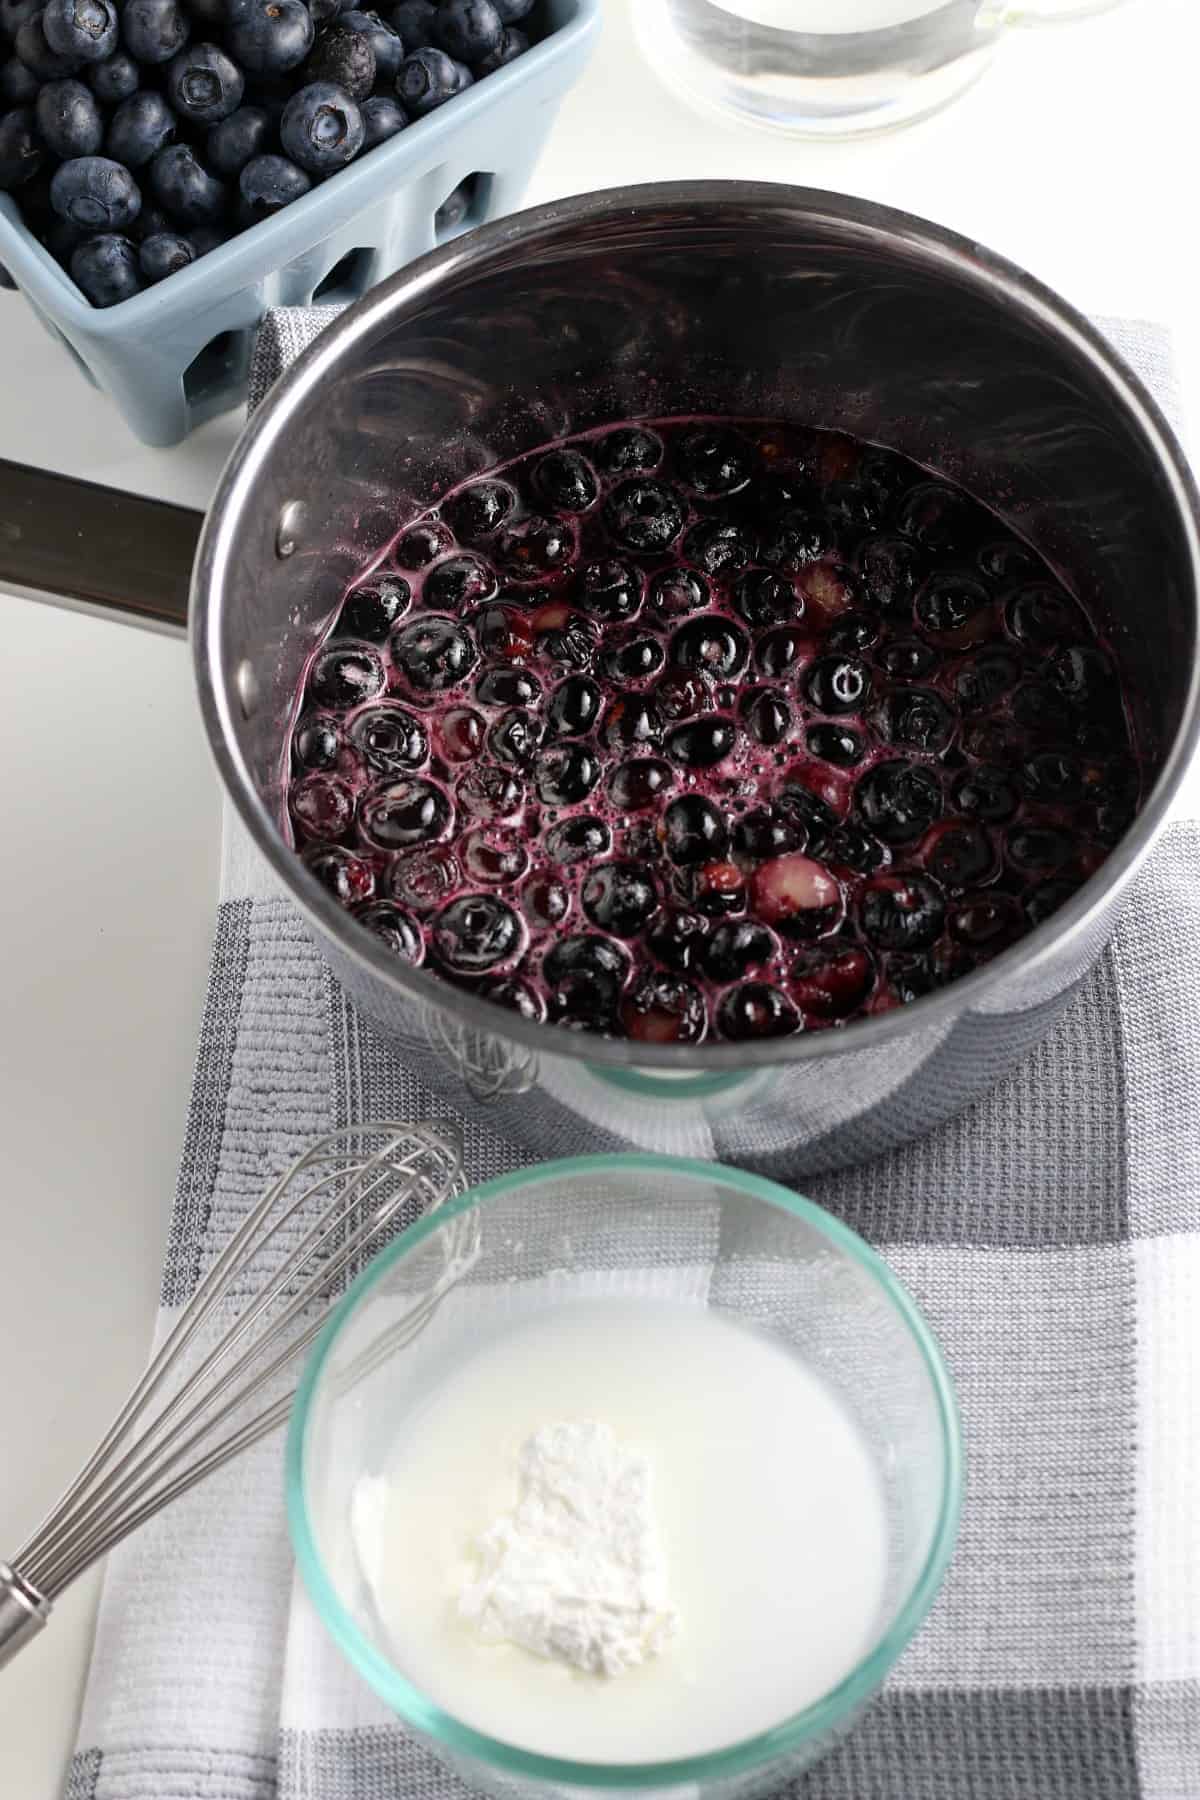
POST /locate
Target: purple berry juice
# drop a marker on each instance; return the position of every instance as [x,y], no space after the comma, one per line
[701,729]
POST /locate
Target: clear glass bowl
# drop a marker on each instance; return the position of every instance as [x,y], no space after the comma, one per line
[578,1228]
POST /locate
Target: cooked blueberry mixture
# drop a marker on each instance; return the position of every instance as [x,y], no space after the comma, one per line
[137,135]
[693,730]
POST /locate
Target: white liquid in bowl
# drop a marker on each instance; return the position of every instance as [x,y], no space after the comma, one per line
[769,1511]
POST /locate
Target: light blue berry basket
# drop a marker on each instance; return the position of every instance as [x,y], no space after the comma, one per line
[176,354]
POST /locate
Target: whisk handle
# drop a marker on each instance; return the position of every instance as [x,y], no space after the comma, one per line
[23,1612]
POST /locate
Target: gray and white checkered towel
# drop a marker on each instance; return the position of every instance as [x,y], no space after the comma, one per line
[1052,1236]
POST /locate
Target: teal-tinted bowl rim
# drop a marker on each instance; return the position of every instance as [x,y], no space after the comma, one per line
[825,1714]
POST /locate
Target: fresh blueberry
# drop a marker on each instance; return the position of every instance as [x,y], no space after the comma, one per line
[902,912]
[632,721]
[269,37]
[232,142]
[68,118]
[619,897]
[737,948]
[370,610]
[917,718]
[95,193]
[390,740]
[427,79]
[316,744]
[19,86]
[513,11]
[204,238]
[713,461]
[203,85]
[388,48]
[414,21]
[566,773]
[344,57]
[609,590]
[695,832]
[673,593]
[585,976]
[163,254]
[711,644]
[765,598]
[636,659]
[34,51]
[433,654]
[577,840]
[988,792]
[21,153]
[701,743]
[182,185]
[644,515]
[105,268]
[402,813]
[344,676]
[86,30]
[564,480]
[535,547]
[638,782]
[512,44]
[574,706]
[15,13]
[382,119]
[798,537]
[756,1010]
[459,582]
[837,684]
[141,127]
[324,12]
[267,184]
[149,223]
[836,744]
[767,716]
[322,128]
[507,687]
[476,511]
[468,29]
[400,933]
[720,547]
[891,572]
[154,30]
[475,933]
[898,801]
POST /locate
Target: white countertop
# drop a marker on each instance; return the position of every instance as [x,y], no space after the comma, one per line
[1064,157]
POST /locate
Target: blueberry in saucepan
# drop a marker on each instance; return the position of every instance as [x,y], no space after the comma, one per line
[475,933]
[695,831]
[643,515]
[371,610]
[619,897]
[756,1010]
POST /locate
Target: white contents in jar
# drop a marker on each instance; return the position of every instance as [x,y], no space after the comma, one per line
[575,1571]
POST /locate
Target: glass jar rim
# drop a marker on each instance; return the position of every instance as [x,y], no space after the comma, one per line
[824,1715]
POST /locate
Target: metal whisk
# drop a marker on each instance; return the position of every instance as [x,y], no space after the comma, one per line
[313,1229]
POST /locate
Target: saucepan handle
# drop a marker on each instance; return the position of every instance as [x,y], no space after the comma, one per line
[95,547]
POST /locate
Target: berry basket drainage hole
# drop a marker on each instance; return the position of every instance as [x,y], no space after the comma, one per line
[222,363]
[349,277]
[465,206]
